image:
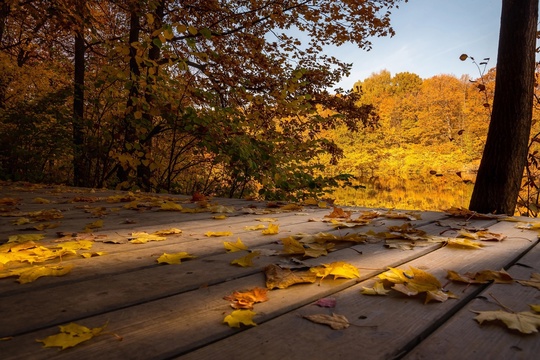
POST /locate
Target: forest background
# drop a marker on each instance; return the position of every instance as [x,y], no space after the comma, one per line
[193,97]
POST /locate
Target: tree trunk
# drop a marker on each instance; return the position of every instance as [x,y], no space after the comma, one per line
[505,153]
[80,176]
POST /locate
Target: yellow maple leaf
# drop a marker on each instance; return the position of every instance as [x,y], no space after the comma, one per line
[175,258]
[20,221]
[464,244]
[93,225]
[247,260]
[525,322]
[377,289]
[218,233]
[71,335]
[291,207]
[143,238]
[25,238]
[233,247]
[73,246]
[27,275]
[339,269]
[255,227]
[535,307]
[44,226]
[272,229]
[266,219]
[171,206]
[238,317]
[219,217]
[415,281]
[170,231]
[88,255]
[292,246]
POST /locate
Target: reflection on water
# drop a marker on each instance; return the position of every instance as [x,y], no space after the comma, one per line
[432,192]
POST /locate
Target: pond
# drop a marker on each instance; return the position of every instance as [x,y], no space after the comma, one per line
[431,192]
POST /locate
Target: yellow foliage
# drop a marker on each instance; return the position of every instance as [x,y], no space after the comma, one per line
[238,317]
[233,247]
[71,335]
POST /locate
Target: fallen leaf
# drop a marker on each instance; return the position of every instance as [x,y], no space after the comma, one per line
[9,201]
[277,277]
[143,238]
[415,281]
[377,289]
[238,317]
[339,213]
[255,227]
[218,233]
[40,200]
[93,225]
[292,246]
[221,209]
[291,207]
[464,244]
[27,275]
[481,277]
[93,254]
[171,206]
[246,299]
[25,238]
[326,302]
[175,258]
[71,335]
[247,260]
[535,307]
[339,269]
[525,322]
[335,321]
[534,281]
[266,219]
[20,221]
[272,229]
[165,232]
[233,247]
[219,217]
[462,212]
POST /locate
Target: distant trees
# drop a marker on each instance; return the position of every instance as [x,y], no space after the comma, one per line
[505,155]
[170,95]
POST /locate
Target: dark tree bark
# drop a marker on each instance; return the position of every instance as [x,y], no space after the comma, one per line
[80,176]
[505,153]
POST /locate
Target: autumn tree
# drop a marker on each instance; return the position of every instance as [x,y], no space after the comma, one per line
[505,153]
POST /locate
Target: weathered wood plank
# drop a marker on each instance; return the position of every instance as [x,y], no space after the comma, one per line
[384,327]
[462,337]
[183,322]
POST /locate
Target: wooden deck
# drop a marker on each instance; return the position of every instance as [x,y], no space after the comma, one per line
[176,311]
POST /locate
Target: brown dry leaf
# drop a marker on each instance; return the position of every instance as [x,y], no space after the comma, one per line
[335,321]
[9,201]
[400,215]
[481,277]
[246,299]
[466,213]
[339,213]
[534,281]
[45,215]
[525,322]
[481,235]
[406,228]
[276,277]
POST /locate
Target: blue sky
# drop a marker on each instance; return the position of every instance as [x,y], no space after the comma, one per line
[430,37]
